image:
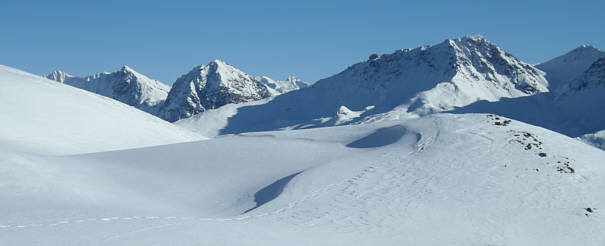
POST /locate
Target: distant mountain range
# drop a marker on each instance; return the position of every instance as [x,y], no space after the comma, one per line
[407,83]
[467,74]
[202,88]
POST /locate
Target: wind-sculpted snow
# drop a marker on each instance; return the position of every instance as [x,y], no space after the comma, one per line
[271,192]
[409,82]
[448,180]
[381,137]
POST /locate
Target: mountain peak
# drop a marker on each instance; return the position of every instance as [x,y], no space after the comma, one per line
[210,87]
[476,37]
[124,85]
[127,69]
[585,48]
[217,61]
[563,69]
[59,76]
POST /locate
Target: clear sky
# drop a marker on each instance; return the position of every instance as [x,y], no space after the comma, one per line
[306,38]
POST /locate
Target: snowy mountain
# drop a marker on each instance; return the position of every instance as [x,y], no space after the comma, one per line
[574,110]
[277,87]
[409,82]
[41,116]
[210,87]
[565,68]
[441,179]
[125,85]
[592,79]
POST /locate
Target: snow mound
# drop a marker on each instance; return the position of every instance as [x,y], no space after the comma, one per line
[379,138]
[42,116]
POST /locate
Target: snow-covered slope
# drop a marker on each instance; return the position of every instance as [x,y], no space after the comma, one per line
[565,68]
[596,139]
[438,180]
[408,82]
[575,109]
[592,79]
[42,116]
[210,87]
[277,87]
[125,85]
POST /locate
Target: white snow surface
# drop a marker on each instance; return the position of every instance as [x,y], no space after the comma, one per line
[210,87]
[442,179]
[565,68]
[125,85]
[574,110]
[277,87]
[41,116]
[596,139]
[407,83]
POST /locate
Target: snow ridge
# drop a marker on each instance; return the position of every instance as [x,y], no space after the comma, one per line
[565,68]
[210,87]
[125,85]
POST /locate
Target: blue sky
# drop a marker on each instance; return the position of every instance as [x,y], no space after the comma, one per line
[309,39]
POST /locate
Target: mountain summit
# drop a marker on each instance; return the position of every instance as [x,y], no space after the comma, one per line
[427,79]
[209,87]
[563,69]
[125,85]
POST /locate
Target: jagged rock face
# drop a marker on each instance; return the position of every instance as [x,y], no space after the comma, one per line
[568,67]
[125,85]
[210,87]
[483,60]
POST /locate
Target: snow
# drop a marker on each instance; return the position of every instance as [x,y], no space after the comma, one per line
[565,68]
[210,87]
[361,158]
[125,85]
[574,110]
[42,116]
[596,139]
[210,122]
[435,180]
[277,87]
[407,83]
